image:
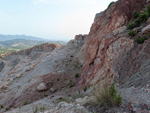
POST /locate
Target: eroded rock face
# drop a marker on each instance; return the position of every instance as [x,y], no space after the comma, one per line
[79,40]
[133,68]
[102,48]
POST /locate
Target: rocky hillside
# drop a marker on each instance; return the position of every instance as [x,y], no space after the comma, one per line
[62,79]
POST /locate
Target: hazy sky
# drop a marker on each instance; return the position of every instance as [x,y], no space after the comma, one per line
[50,19]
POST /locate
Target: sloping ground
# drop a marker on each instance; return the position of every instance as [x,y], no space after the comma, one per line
[108,54]
[51,64]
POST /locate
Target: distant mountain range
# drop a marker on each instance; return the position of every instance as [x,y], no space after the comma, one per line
[20,42]
[8,40]
[11,37]
[9,43]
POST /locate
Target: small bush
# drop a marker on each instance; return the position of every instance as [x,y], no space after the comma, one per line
[25,103]
[132,33]
[84,89]
[42,108]
[140,18]
[132,25]
[77,75]
[51,83]
[57,79]
[71,56]
[148,10]
[71,85]
[6,109]
[2,107]
[136,14]
[36,110]
[141,40]
[110,4]
[143,17]
[107,96]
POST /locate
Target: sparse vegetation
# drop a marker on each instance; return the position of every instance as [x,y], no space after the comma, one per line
[25,103]
[140,40]
[42,108]
[71,85]
[143,17]
[77,75]
[36,110]
[136,14]
[65,100]
[140,18]
[107,96]
[148,10]
[132,33]
[51,83]
[85,88]
[57,79]
[110,4]
[6,109]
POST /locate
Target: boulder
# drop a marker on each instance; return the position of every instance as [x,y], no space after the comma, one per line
[86,99]
[52,89]
[3,86]
[27,70]
[41,87]
[146,29]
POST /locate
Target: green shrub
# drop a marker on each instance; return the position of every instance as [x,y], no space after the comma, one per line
[84,89]
[2,107]
[71,56]
[132,33]
[57,79]
[25,103]
[6,109]
[71,85]
[42,108]
[107,96]
[140,18]
[51,83]
[136,14]
[148,10]
[110,4]
[143,17]
[132,25]
[77,75]
[141,40]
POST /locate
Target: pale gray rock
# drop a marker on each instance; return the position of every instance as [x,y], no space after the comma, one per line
[146,29]
[41,87]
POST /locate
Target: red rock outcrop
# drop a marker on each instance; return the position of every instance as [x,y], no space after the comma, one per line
[102,49]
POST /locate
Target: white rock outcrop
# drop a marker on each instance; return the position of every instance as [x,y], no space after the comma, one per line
[41,87]
[146,29]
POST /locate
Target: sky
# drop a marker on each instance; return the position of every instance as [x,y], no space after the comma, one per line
[49,19]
